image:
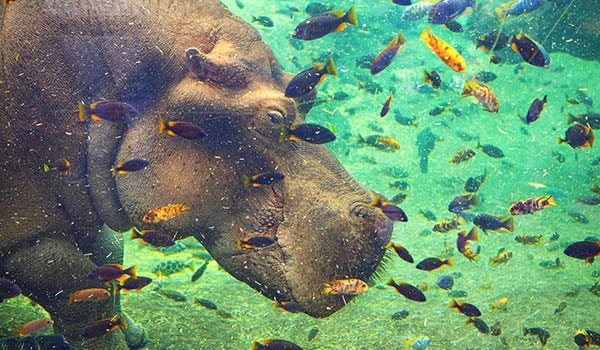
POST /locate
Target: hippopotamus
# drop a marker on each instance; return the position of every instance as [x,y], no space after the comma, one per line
[190,61]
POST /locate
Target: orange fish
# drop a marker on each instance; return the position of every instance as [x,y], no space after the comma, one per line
[350,286]
[33,327]
[445,52]
[165,213]
[483,93]
[92,294]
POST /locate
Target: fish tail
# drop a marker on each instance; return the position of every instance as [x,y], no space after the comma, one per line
[246,181]
[453,304]
[257,346]
[135,234]
[592,137]
[163,126]
[83,111]
[425,76]
[473,235]
[551,200]
[400,40]
[509,224]
[449,262]
[122,321]
[283,133]
[132,271]
[467,89]
[501,11]
[475,200]
[426,35]
[350,16]
[391,283]
[116,288]
[184,208]
[571,118]
[330,67]
[71,298]
[327,289]
[561,141]
[389,245]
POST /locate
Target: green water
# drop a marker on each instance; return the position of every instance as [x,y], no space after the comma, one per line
[531,151]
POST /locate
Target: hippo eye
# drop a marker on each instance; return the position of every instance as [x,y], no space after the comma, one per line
[276,117]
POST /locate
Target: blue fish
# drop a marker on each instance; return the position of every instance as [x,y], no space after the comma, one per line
[445,282]
[386,56]
[420,343]
[518,7]
[446,11]
[417,10]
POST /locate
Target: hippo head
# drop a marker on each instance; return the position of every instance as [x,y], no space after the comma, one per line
[320,218]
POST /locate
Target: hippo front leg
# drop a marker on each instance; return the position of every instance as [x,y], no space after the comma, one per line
[47,272]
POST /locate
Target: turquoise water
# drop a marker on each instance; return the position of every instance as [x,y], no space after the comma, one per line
[534,165]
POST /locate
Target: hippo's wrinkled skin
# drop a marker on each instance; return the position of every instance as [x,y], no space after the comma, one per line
[177,60]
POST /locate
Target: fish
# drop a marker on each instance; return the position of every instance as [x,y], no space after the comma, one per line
[254,242]
[152,237]
[535,110]
[386,56]
[589,200]
[585,338]
[324,23]
[480,324]
[384,143]
[61,165]
[543,335]
[584,98]
[311,133]
[495,59]
[560,308]
[186,130]
[496,329]
[315,8]
[389,209]
[206,303]
[492,41]
[430,264]
[33,327]
[312,333]
[529,240]
[432,78]
[402,252]
[501,258]
[444,51]
[488,222]
[263,21]
[418,10]
[473,183]
[386,106]
[530,50]
[428,214]
[464,308]
[109,272]
[90,294]
[110,110]
[418,343]
[136,284]
[402,2]
[483,94]
[165,213]
[448,225]
[289,306]
[454,27]
[103,326]
[531,205]
[590,119]
[136,164]
[578,136]
[262,179]
[400,315]
[8,289]
[585,250]
[462,156]
[491,150]
[485,76]
[408,291]
[425,144]
[275,344]
[196,276]
[172,294]
[517,7]
[499,304]
[462,243]
[348,286]
[445,11]
[463,202]
[445,282]
[307,80]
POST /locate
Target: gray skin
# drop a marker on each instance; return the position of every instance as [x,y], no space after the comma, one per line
[56,53]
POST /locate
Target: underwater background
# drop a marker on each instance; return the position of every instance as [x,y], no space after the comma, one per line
[533,282]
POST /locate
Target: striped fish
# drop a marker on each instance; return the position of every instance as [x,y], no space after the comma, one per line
[483,93]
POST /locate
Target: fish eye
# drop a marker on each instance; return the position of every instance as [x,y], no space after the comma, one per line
[275,116]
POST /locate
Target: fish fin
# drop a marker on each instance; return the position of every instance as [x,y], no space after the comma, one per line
[426,77]
[501,11]
[475,200]
[561,141]
[484,48]
[449,262]
[391,283]
[135,235]
[257,346]
[283,133]
[509,223]
[132,271]
[515,48]
[327,289]
[116,288]
[400,40]
[71,298]
[122,322]
[330,67]
[96,117]
[592,137]
[321,79]
[340,28]
[246,181]
[337,13]
[571,119]
[453,304]
[163,126]
[389,245]
[473,235]
[467,89]
[113,171]
[239,244]
[83,111]
[425,34]
[350,16]
[294,138]
[119,266]
[551,200]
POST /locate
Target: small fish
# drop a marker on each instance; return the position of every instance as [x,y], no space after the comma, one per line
[590,119]
[385,57]
[445,52]
[462,156]
[130,165]
[114,111]
[445,282]
[483,94]
[312,333]
[448,225]
[262,179]
[454,27]
[585,250]
[578,136]
[466,309]
[491,150]
[543,335]
[324,23]
[8,289]
[531,51]
[437,110]
[501,258]
[517,7]
[172,294]
[33,327]
[417,10]
[263,21]
[446,11]
[153,238]
[499,304]
[196,276]
[595,189]
[133,284]
[430,264]
[585,338]
[462,243]
[432,78]
[463,202]
[494,223]
[485,76]
[407,291]
[305,81]
[275,344]
[402,252]
[110,272]
[91,294]
[407,121]
[400,315]
[254,242]
[61,165]
[289,306]
[186,130]
[529,240]
[473,183]
[494,38]
[206,303]
[165,213]
[384,143]
[560,308]
[311,133]
[428,214]
[101,327]
[531,205]
[479,324]
[349,286]
[402,2]
[495,59]
[386,106]
[496,329]
[589,200]
[418,343]
[390,210]
[584,98]
[535,110]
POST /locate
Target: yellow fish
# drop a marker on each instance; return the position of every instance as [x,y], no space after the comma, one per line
[483,93]
[165,213]
[445,52]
